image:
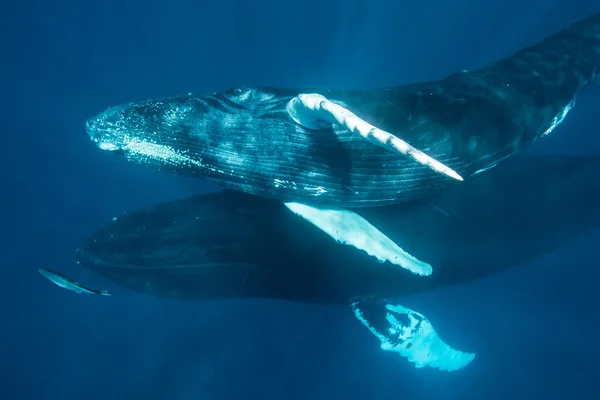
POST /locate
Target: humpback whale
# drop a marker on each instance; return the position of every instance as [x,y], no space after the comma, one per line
[231,245]
[314,146]
[322,152]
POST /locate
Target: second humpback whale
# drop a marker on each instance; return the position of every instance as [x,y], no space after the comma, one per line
[313,149]
[230,245]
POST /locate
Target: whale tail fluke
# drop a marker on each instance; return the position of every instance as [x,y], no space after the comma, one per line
[409,334]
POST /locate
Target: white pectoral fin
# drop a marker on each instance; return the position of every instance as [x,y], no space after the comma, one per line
[313,110]
[349,228]
[409,334]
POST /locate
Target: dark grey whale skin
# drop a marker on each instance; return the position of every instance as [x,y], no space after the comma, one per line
[232,245]
[243,138]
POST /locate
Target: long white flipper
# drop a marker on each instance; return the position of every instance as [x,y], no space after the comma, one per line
[311,110]
[347,227]
[409,334]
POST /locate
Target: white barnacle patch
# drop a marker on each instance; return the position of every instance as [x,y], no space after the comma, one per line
[315,190]
[139,149]
[279,183]
[559,118]
[310,189]
[106,146]
[412,336]
[347,227]
[159,152]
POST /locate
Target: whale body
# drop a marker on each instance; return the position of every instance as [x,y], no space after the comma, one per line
[363,168]
[245,139]
[233,245]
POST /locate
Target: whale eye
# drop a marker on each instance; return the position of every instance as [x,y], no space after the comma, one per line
[236,91]
[240,94]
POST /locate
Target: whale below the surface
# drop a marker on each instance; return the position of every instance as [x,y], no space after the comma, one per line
[230,245]
[322,152]
[316,146]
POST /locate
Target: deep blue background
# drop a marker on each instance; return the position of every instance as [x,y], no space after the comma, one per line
[534,328]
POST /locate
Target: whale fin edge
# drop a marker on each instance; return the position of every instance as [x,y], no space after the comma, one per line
[410,334]
[349,228]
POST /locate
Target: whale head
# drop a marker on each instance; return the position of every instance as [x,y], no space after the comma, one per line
[212,135]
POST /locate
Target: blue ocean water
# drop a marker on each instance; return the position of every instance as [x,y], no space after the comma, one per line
[534,328]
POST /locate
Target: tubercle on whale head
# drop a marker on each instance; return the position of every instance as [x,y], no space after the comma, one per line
[106,129]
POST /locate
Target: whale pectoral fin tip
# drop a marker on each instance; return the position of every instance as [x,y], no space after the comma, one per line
[410,334]
[434,164]
[310,110]
[456,176]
